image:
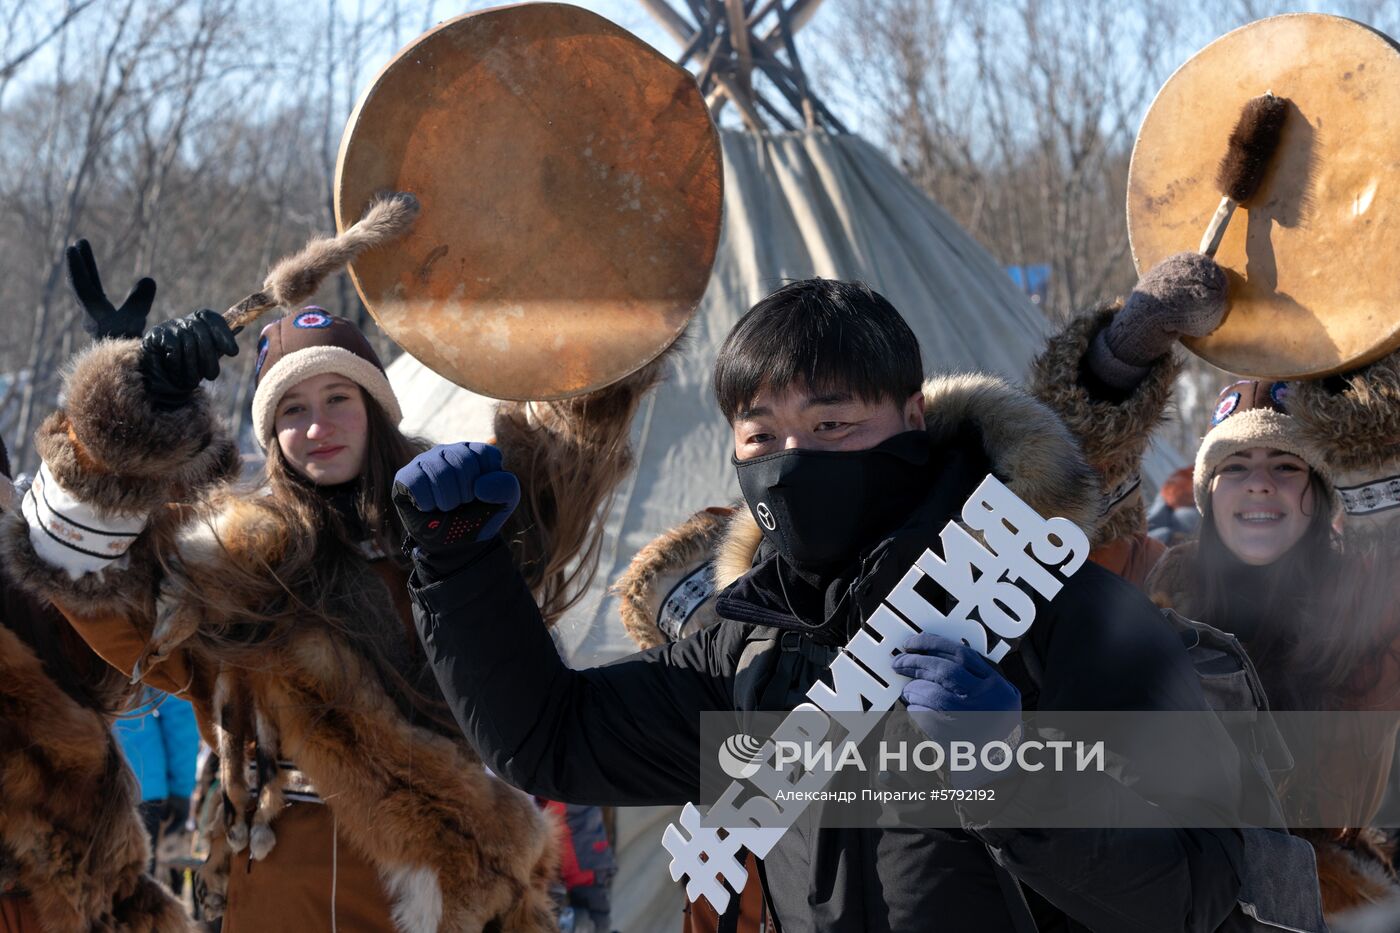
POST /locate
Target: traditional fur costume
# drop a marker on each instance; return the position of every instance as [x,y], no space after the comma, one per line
[70,833]
[71,837]
[1350,434]
[205,602]
[1113,434]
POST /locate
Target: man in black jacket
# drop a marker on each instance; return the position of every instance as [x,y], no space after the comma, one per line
[842,452]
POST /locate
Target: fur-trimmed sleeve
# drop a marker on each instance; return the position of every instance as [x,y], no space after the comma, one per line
[570,457]
[1356,431]
[102,514]
[1114,434]
[670,579]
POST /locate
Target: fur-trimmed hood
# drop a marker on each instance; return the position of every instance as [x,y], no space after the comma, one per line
[1030,450]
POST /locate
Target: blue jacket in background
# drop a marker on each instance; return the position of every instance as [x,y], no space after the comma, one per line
[161,741]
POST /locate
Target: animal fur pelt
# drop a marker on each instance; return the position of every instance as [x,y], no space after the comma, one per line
[1358,427]
[675,553]
[1173,582]
[1028,446]
[281,660]
[1354,421]
[295,278]
[1114,436]
[69,826]
[1354,868]
[458,849]
[108,428]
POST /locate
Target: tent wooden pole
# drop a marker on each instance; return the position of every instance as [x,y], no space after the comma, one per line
[739,38]
[707,64]
[770,65]
[785,20]
[750,115]
[670,20]
[762,11]
[800,13]
[773,113]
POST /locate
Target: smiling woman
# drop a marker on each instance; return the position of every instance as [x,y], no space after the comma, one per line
[1262,501]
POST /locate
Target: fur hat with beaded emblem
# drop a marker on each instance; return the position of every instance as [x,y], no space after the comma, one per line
[1250,414]
[309,343]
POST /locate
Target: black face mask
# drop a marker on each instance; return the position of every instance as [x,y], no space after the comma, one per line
[820,508]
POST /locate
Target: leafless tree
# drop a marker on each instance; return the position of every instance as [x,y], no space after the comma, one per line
[181,139]
[1018,117]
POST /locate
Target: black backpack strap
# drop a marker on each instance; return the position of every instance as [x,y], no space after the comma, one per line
[1016,904]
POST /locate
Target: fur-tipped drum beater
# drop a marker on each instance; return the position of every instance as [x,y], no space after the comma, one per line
[1311,255]
[570,185]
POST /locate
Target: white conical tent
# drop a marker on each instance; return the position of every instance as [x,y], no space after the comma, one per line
[796,205]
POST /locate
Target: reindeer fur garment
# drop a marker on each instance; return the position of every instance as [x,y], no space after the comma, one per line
[1356,427]
[1114,436]
[211,581]
[69,830]
[1030,450]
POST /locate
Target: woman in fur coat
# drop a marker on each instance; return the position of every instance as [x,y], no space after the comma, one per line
[350,801]
[73,850]
[1299,489]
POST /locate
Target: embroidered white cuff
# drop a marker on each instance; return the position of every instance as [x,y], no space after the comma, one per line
[1381,495]
[68,533]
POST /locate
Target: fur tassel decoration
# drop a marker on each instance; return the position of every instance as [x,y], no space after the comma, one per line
[1252,146]
[297,277]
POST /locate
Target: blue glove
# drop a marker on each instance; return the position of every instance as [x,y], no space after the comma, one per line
[949,680]
[452,497]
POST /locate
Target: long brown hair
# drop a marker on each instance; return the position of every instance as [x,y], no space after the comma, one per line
[1306,625]
[570,456]
[387,449]
[318,573]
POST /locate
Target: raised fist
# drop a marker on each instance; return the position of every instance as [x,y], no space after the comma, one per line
[453,496]
[1182,296]
[176,355]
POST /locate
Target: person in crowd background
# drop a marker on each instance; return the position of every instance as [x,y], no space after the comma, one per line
[1298,543]
[161,742]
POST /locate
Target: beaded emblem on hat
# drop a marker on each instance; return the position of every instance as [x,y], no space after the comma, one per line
[312,318]
[1232,396]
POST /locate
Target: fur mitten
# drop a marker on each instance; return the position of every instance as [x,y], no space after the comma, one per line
[1113,432]
[1183,295]
[1354,420]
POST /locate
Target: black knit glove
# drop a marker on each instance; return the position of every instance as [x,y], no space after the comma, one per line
[176,355]
[105,322]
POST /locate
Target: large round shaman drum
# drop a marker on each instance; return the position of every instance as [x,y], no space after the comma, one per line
[571,188]
[1312,259]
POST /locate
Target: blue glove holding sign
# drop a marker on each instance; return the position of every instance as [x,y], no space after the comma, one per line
[452,497]
[950,680]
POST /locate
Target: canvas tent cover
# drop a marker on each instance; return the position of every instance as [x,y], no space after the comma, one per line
[796,205]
